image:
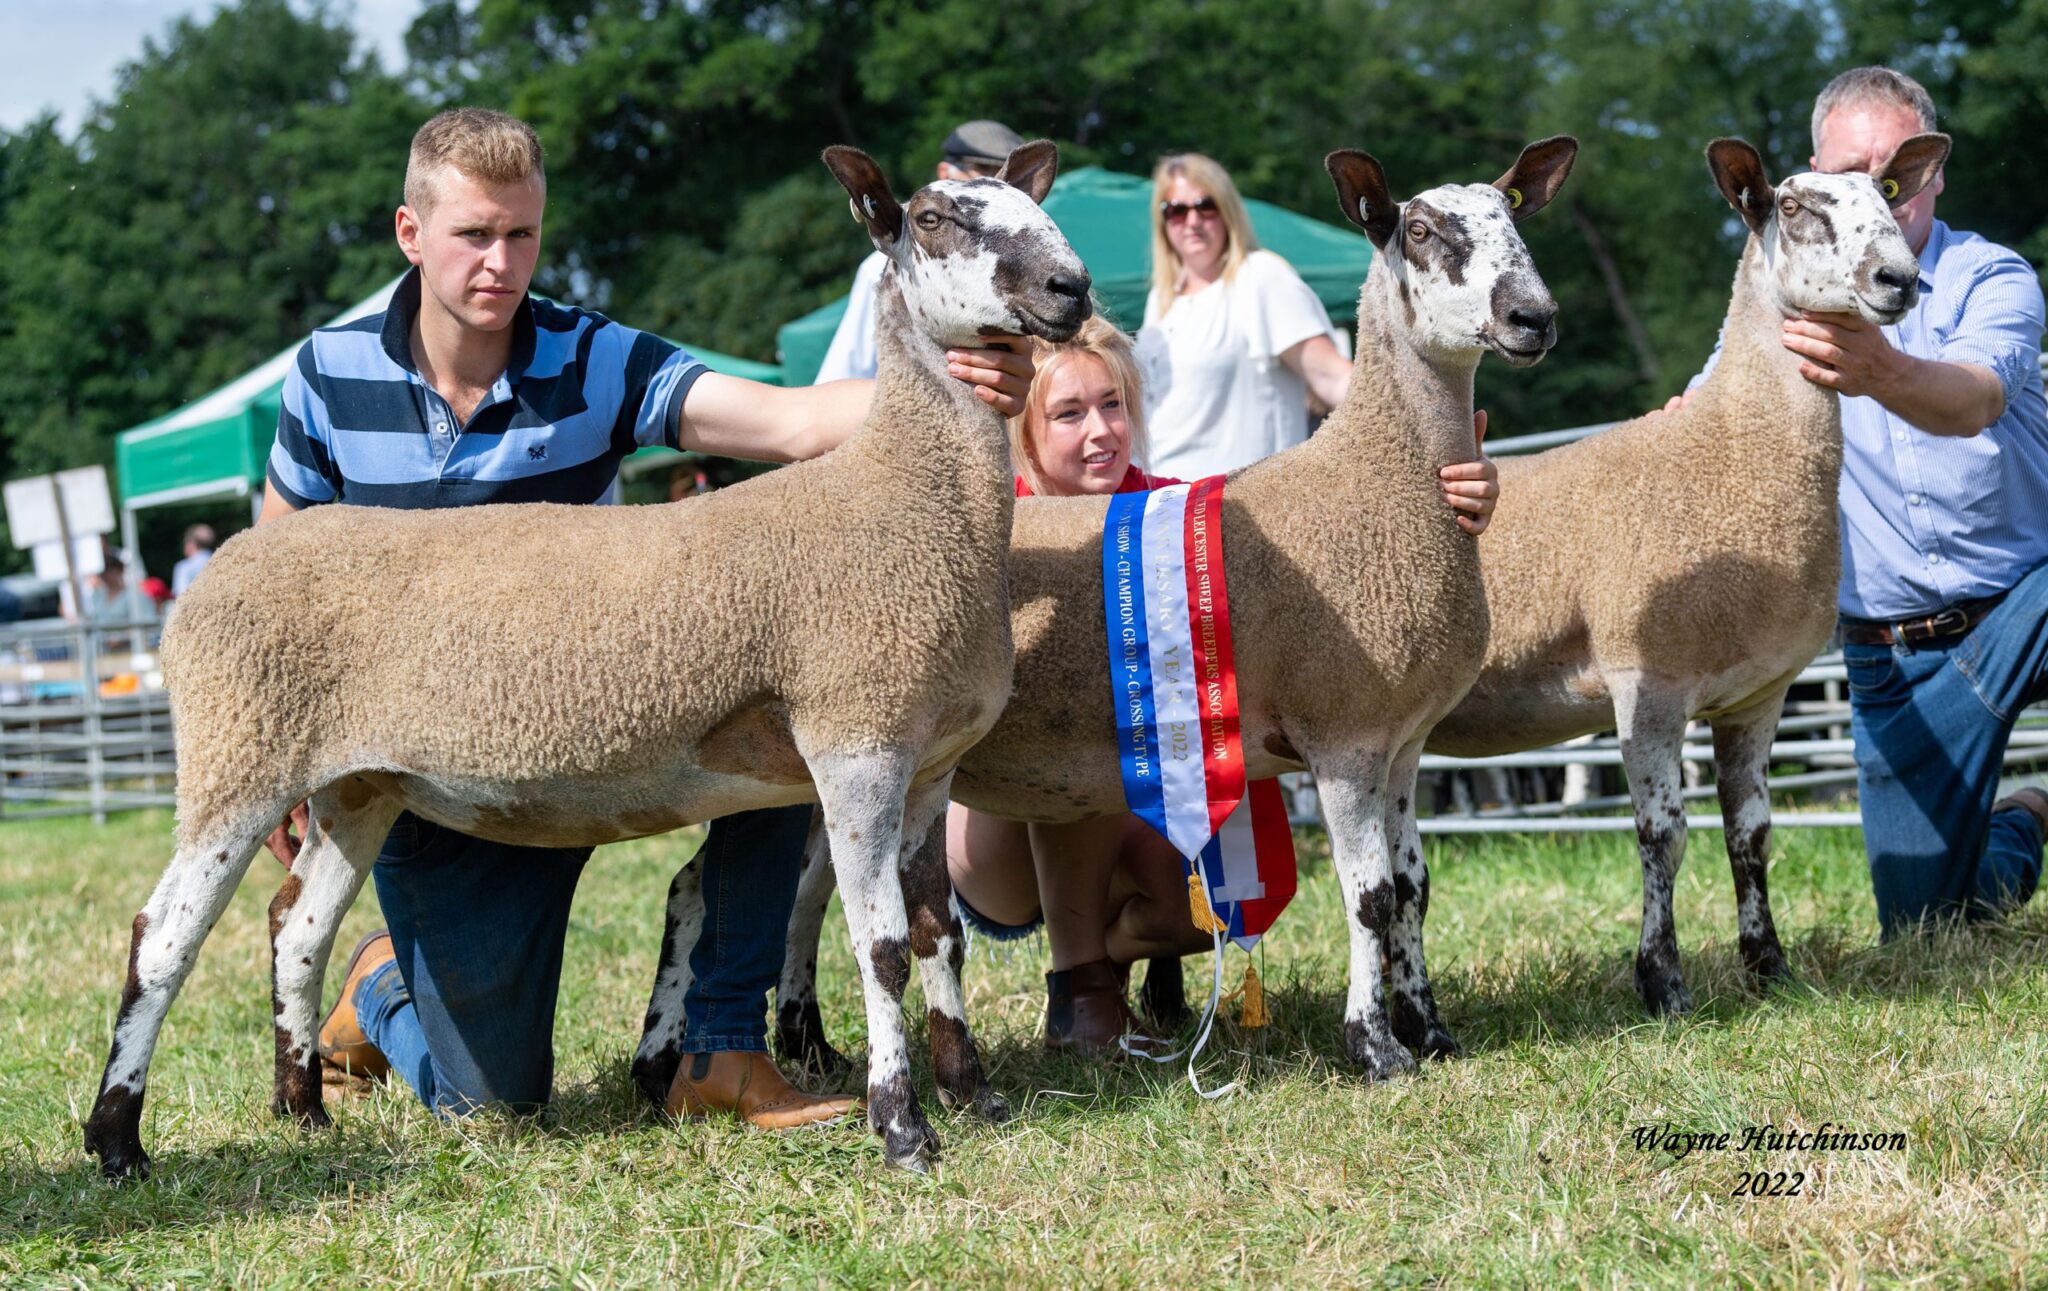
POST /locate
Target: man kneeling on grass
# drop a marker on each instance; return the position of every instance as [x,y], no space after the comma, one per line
[469,390]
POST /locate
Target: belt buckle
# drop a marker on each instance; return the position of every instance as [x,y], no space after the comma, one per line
[1949,622]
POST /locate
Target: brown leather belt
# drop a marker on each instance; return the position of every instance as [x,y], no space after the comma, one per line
[1950,621]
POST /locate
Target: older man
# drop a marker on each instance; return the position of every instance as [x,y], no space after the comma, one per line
[1944,505]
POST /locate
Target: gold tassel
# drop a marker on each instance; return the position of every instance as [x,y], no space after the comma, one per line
[1252,1013]
[1198,908]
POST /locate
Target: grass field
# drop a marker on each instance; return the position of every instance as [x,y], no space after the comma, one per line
[1515,1165]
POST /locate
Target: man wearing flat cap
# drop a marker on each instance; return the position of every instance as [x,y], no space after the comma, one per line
[975,150]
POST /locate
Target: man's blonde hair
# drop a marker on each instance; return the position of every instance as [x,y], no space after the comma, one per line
[487,146]
[1097,340]
[1208,175]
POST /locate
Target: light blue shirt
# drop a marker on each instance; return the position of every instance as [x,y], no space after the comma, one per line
[1928,520]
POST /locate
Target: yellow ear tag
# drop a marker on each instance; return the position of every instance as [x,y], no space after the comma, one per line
[1890,189]
[1514,199]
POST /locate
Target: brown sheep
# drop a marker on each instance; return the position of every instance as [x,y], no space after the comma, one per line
[834,632]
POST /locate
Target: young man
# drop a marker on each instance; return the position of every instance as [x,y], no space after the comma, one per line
[975,150]
[1944,593]
[469,390]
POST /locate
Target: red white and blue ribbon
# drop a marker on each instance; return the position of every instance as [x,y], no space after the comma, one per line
[1167,610]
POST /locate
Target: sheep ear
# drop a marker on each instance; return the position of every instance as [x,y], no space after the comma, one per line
[868,190]
[1912,167]
[1362,193]
[1537,174]
[1031,167]
[1739,174]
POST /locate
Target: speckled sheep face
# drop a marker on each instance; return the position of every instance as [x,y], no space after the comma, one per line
[1465,278]
[974,257]
[1829,243]
[1462,279]
[979,256]
[1832,246]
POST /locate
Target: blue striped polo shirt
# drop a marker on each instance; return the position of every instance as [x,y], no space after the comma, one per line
[359,425]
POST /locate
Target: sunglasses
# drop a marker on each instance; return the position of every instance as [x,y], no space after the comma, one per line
[1178,212]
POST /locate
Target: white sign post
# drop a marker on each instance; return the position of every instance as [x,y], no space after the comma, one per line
[60,518]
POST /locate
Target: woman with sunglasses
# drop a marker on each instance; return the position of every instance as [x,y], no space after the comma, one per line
[1234,342]
[1110,890]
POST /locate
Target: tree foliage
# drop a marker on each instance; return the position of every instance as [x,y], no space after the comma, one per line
[238,186]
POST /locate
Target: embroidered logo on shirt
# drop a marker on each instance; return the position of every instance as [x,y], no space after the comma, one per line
[536,452]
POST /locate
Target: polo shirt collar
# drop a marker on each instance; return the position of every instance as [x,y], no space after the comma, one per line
[405,306]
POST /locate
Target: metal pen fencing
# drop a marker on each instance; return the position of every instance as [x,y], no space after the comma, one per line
[85,724]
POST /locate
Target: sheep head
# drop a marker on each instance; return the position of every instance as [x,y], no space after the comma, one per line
[1463,275]
[1829,243]
[974,257]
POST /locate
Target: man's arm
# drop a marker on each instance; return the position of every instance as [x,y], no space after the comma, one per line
[732,417]
[1847,353]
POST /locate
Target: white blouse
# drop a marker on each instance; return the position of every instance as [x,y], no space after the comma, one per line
[1217,396]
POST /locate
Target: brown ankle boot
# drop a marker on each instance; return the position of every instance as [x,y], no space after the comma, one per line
[1085,1011]
[750,1086]
[341,1039]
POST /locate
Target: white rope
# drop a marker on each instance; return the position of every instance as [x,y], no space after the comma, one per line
[1201,1040]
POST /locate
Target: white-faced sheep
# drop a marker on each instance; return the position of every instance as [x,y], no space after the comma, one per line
[1358,611]
[834,632]
[1684,565]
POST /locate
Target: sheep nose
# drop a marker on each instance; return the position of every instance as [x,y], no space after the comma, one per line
[1895,278]
[1072,285]
[1535,318]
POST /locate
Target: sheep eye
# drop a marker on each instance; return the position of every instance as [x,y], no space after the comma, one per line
[1417,230]
[1787,206]
[928,219]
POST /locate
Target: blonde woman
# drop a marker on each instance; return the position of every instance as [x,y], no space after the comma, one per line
[1234,342]
[1110,891]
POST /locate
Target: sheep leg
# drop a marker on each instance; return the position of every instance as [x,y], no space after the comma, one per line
[1416,1023]
[940,944]
[661,1033]
[1652,729]
[1742,757]
[1354,802]
[341,845]
[799,1028]
[863,796]
[188,901]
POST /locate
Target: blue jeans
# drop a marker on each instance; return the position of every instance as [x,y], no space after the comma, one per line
[466,1012]
[1931,721]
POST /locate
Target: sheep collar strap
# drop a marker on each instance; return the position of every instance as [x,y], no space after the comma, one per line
[1175,684]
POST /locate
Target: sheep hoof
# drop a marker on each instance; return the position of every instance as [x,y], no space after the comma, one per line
[1767,966]
[1376,1052]
[1440,1044]
[113,1133]
[1663,991]
[984,1103]
[914,1148]
[653,1075]
[800,1040]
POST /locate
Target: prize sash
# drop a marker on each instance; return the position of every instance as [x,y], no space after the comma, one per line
[1175,684]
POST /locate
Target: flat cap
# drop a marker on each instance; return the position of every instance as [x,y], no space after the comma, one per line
[981,143]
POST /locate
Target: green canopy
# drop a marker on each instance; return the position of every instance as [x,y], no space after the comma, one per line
[216,446]
[1108,218]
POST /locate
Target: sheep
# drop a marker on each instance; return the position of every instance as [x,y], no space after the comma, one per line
[834,632]
[1358,610]
[1683,565]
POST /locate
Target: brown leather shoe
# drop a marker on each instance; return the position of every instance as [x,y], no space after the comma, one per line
[1085,1011]
[747,1084]
[2030,800]
[342,1041]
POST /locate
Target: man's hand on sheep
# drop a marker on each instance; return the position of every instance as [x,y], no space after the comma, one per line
[1843,352]
[1473,487]
[1001,376]
[1849,354]
[283,843]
